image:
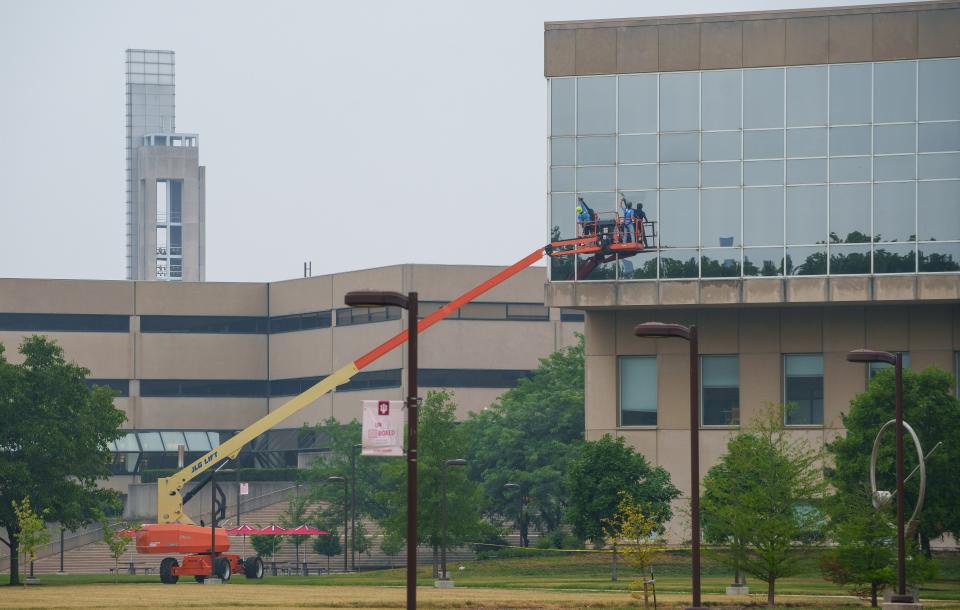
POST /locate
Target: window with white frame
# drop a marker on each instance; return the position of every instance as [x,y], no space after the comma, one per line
[803,389]
[720,391]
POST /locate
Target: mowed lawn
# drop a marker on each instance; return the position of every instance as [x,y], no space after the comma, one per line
[565,581]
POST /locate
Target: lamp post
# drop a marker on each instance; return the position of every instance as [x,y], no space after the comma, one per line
[866,355]
[370,298]
[346,513]
[662,330]
[353,507]
[443,517]
[516,487]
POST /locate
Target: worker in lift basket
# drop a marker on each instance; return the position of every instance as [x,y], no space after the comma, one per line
[584,216]
[629,215]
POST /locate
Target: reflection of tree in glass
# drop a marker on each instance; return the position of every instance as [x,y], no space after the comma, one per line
[710,267]
[603,271]
[892,262]
[768,268]
[561,267]
[672,267]
[645,271]
[815,264]
[854,237]
[937,261]
[850,263]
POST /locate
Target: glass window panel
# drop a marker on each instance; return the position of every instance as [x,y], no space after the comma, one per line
[678,216]
[803,389]
[596,104]
[720,378]
[939,85]
[562,151]
[849,260]
[763,261]
[807,142]
[762,173]
[806,260]
[562,216]
[197,441]
[721,99]
[939,137]
[938,210]
[849,141]
[637,177]
[638,149]
[849,94]
[894,91]
[895,258]
[595,178]
[679,175]
[638,390]
[720,146]
[766,144]
[214,438]
[940,165]
[678,263]
[561,179]
[679,147]
[720,218]
[596,151]
[875,367]
[938,257]
[638,103]
[894,209]
[763,216]
[806,171]
[850,213]
[562,269]
[679,101]
[895,167]
[807,96]
[894,139]
[720,262]
[602,272]
[720,174]
[171,439]
[150,441]
[645,201]
[763,97]
[807,215]
[601,203]
[641,266]
[128,442]
[850,169]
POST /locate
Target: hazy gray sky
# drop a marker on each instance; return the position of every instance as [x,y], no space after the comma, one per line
[352,134]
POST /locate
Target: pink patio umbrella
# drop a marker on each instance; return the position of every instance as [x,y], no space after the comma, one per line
[304,530]
[243,530]
[272,530]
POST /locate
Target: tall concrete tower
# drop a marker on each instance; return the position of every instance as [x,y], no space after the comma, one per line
[165,181]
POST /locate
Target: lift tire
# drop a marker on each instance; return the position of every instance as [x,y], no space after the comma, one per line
[200,579]
[166,568]
[253,567]
[221,566]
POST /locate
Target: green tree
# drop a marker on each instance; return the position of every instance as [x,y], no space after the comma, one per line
[639,536]
[117,540]
[360,541]
[298,513]
[267,546]
[527,437]
[865,551]
[55,441]
[392,544]
[439,439]
[932,409]
[31,530]
[328,545]
[765,498]
[600,472]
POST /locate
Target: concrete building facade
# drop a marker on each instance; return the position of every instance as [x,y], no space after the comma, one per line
[803,171]
[195,362]
[165,182]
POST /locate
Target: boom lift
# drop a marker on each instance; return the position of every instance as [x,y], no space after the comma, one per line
[175,532]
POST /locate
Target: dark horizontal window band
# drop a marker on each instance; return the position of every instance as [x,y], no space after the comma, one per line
[571,315]
[364,380]
[301,321]
[471,378]
[203,388]
[204,324]
[487,311]
[121,386]
[65,322]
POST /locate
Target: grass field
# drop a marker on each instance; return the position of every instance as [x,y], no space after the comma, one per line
[580,581]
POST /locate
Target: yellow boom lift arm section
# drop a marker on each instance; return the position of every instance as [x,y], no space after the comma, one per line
[170,489]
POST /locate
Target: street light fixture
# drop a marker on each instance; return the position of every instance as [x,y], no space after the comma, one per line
[346,512]
[867,356]
[663,330]
[516,487]
[375,298]
[353,507]
[443,517]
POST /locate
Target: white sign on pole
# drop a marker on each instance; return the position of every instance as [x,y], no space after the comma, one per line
[383,427]
[244,489]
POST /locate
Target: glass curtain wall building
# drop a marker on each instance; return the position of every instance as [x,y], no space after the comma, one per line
[834,169]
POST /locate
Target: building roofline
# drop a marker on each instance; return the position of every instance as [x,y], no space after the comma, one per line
[926,5]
